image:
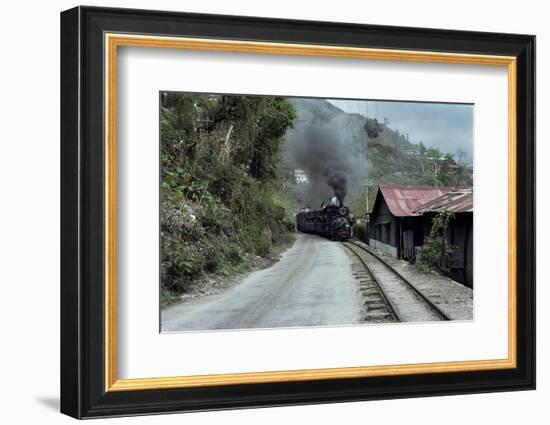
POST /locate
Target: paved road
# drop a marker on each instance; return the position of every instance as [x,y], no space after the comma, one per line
[311,285]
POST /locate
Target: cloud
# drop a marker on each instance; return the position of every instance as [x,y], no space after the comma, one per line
[447,126]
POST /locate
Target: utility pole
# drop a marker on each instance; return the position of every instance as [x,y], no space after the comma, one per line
[436,169]
[367,183]
[367,200]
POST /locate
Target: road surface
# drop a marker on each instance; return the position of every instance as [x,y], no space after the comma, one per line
[311,285]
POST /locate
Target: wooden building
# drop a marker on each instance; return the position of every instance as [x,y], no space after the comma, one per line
[401,220]
[394,227]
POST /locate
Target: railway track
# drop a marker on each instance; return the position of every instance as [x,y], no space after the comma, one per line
[379,307]
[403,300]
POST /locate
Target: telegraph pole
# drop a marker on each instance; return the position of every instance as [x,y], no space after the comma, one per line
[367,183]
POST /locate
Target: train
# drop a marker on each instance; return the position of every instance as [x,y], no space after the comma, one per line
[334,222]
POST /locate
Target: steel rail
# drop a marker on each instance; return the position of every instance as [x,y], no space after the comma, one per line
[387,301]
[443,315]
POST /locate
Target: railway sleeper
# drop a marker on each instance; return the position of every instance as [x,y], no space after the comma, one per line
[378,316]
[367,292]
[371,290]
[376,306]
[372,298]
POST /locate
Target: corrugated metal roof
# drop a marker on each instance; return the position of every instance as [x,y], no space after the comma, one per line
[457,201]
[404,201]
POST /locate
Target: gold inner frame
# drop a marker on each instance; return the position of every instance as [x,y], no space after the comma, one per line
[113,41]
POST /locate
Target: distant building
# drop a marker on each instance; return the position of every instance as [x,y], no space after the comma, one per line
[412,152]
[401,220]
[461,169]
[300,177]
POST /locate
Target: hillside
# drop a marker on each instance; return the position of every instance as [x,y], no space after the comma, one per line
[380,154]
[222,202]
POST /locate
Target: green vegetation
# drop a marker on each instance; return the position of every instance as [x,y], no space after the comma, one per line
[360,230]
[221,196]
[394,159]
[436,250]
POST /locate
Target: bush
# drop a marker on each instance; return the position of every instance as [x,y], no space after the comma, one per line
[232,254]
[180,263]
[436,251]
[361,232]
[213,258]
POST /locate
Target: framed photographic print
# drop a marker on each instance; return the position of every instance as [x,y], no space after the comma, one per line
[261,212]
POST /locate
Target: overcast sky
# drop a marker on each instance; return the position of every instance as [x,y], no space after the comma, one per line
[448,127]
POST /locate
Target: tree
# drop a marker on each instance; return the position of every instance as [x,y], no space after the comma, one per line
[373,128]
[460,155]
[422,148]
[274,118]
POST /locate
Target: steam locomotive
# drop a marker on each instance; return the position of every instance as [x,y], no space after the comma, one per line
[331,221]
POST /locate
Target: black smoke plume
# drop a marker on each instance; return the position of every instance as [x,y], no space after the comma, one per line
[326,159]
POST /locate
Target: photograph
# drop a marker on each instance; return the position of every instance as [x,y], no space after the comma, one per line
[261,211]
[282,212]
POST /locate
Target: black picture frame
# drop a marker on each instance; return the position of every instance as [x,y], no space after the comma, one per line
[83,392]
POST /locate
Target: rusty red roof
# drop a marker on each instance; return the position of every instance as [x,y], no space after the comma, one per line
[404,201]
[457,200]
